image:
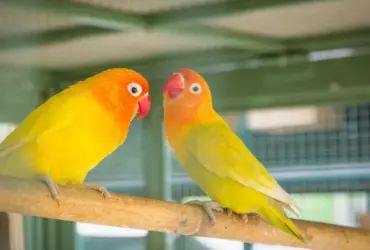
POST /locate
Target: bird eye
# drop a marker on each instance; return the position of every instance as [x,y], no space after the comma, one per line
[195,88]
[134,89]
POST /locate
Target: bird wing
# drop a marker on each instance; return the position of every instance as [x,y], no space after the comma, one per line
[221,152]
[50,117]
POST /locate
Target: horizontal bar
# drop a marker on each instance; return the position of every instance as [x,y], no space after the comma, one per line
[230,38]
[50,37]
[342,39]
[240,84]
[205,11]
[112,19]
[84,14]
[30,197]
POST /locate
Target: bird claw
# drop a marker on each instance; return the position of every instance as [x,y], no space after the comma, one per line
[52,186]
[208,207]
[104,192]
[244,217]
[229,212]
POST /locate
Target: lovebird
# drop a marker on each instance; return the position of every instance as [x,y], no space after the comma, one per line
[74,130]
[216,159]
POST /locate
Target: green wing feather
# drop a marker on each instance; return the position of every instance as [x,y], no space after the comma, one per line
[223,153]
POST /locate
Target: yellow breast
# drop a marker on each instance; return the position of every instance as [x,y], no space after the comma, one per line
[64,138]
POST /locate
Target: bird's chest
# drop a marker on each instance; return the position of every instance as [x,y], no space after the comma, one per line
[69,154]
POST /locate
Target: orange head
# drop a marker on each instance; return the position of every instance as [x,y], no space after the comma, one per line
[186,94]
[122,92]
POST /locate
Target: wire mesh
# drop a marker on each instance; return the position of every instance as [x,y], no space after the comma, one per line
[335,139]
[345,141]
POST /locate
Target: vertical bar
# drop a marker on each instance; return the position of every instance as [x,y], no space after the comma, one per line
[27,228]
[248,140]
[35,229]
[4,231]
[41,233]
[67,235]
[156,172]
[50,233]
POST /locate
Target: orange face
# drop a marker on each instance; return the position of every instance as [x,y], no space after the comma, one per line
[186,91]
[123,92]
[138,91]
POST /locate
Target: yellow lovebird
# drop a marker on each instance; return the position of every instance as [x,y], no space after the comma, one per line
[69,134]
[216,159]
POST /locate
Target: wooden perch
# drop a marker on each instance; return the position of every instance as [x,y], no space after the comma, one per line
[364,220]
[30,197]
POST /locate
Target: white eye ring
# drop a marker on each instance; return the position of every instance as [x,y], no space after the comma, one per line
[134,89]
[195,88]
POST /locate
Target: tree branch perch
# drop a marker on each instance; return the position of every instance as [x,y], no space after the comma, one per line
[29,197]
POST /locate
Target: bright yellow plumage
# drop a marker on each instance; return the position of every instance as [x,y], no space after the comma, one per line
[65,143]
[216,159]
[70,133]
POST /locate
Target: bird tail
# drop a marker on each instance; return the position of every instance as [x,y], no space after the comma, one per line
[277,218]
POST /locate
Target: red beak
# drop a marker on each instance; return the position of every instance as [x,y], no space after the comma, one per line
[144,106]
[174,86]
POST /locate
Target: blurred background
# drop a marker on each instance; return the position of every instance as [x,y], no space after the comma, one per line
[292,78]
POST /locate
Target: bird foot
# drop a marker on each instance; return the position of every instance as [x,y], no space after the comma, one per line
[104,192]
[208,207]
[229,212]
[244,217]
[52,186]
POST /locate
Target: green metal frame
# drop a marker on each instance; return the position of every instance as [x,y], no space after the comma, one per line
[277,81]
[290,80]
[202,12]
[173,21]
[230,38]
[17,102]
[252,72]
[156,171]
[51,37]
[42,233]
[46,234]
[185,21]
[84,13]
[339,39]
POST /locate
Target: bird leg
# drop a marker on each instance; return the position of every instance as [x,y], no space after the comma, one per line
[208,207]
[95,187]
[52,186]
[229,211]
[244,217]
[98,188]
